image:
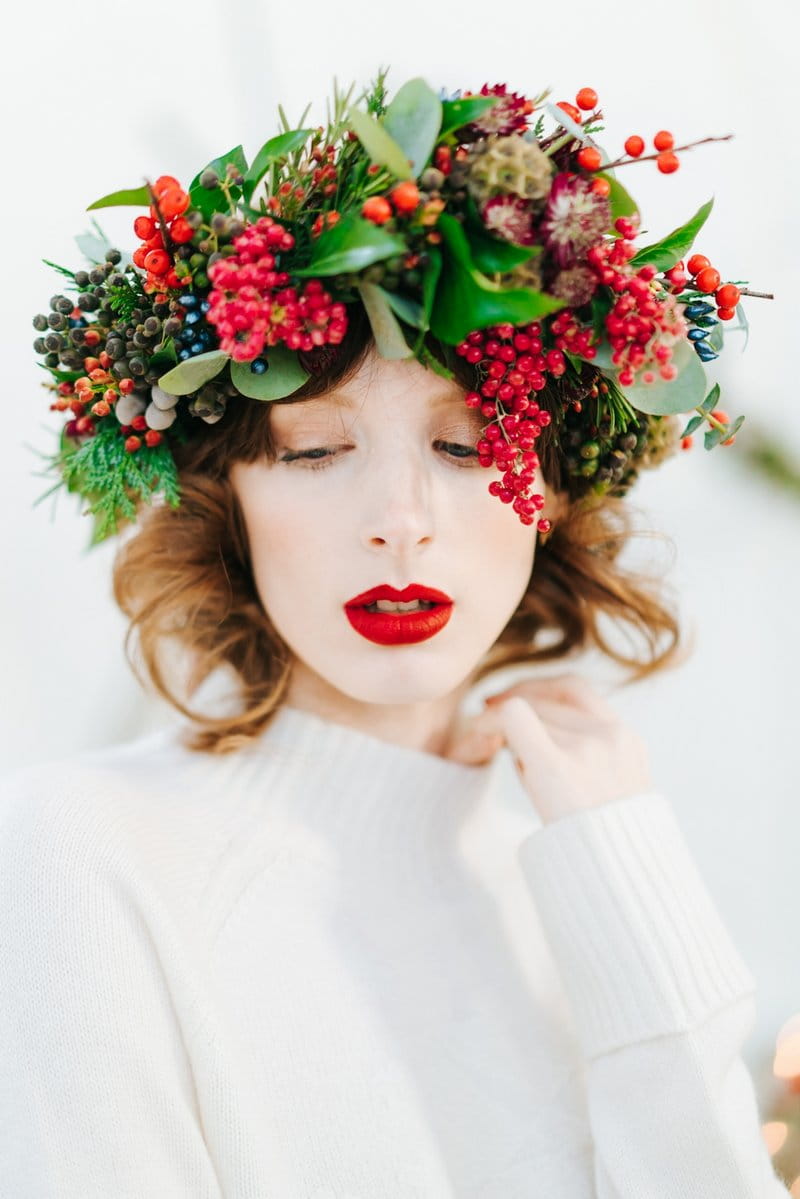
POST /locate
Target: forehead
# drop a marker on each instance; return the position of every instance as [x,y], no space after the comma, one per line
[339,400]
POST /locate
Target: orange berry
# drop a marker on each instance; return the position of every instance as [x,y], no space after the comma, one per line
[589,158]
[667,162]
[586,98]
[570,110]
[728,295]
[726,314]
[405,197]
[707,280]
[165,183]
[376,209]
[729,440]
[686,443]
[601,186]
[696,263]
[663,140]
[126,386]
[719,415]
[173,203]
[634,145]
[132,444]
[152,437]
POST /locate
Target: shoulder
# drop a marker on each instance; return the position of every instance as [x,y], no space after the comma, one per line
[147,810]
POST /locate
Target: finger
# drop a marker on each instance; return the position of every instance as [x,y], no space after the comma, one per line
[569,689]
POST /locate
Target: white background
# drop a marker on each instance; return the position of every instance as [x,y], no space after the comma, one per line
[96,96]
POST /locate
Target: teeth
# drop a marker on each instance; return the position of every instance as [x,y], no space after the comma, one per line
[391,606]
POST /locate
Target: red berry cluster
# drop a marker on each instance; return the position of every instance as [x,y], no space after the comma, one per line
[516,364]
[152,255]
[667,160]
[251,305]
[708,279]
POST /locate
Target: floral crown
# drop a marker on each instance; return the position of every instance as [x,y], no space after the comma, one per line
[461,218]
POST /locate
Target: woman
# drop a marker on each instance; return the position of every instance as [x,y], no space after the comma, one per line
[307,948]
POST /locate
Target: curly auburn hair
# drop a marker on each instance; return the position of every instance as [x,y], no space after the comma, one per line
[184,578]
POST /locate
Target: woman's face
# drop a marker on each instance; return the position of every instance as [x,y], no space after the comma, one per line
[392,494]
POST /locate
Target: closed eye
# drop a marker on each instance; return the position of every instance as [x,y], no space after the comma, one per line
[322,456]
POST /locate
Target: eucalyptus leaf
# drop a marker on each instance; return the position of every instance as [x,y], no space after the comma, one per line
[680,394]
[93,248]
[193,373]
[134,197]
[211,200]
[273,150]
[380,145]
[712,399]
[676,245]
[466,300]
[577,131]
[283,376]
[351,245]
[413,120]
[456,113]
[385,329]
[693,424]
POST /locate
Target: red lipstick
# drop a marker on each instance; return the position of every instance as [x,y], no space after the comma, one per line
[399,628]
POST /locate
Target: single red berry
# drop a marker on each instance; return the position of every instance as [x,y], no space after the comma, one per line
[180,230]
[726,314]
[157,262]
[601,186]
[405,197]
[589,158]
[156,242]
[696,263]
[634,145]
[152,437]
[570,110]
[144,227]
[728,295]
[376,209]
[586,98]
[173,203]
[139,255]
[686,443]
[165,183]
[707,279]
[663,140]
[132,444]
[91,337]
[139,423]
[126,386]
[667,162]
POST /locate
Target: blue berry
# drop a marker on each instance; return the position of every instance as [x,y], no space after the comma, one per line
[259,366]
[192,317]
[704,352]
[697,334]
[184,354]
[697,308]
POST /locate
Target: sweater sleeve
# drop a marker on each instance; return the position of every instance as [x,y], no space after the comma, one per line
[96,1091]
[661,1003]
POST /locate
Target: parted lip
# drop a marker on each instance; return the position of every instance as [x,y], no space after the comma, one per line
[411,592]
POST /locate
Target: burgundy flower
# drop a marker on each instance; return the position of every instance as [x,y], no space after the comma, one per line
[509,217]
[508,115]
[575,218]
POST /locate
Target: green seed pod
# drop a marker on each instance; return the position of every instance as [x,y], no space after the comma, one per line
[196,261]
[82,278]
[209,179]
[56,321]
[588,468]
[205,245]
[40,322]
[97,274]
[590,449]
[54,341]
[201,280]
[51,360]
[113,256]
[39,346]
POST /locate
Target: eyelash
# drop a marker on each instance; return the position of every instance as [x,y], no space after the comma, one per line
[321,463]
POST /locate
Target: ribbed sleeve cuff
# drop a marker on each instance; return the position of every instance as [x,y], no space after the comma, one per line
[640,946]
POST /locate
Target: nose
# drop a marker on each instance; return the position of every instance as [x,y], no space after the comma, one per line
[397,502]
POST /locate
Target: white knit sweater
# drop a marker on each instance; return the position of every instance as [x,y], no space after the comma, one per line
[330,967]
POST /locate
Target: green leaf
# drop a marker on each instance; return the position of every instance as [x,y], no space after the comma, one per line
[388,335]
[410,311]
[622,204]
[283,376]
[211,200]
[693,424]
[273,150]
[466,300]
[413,120]
[381,147]
[352,244]
[712,399]
[135,197]
[680,394]
[456,113]
[164,357]
[676,245]
[492,254]
[193,373]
